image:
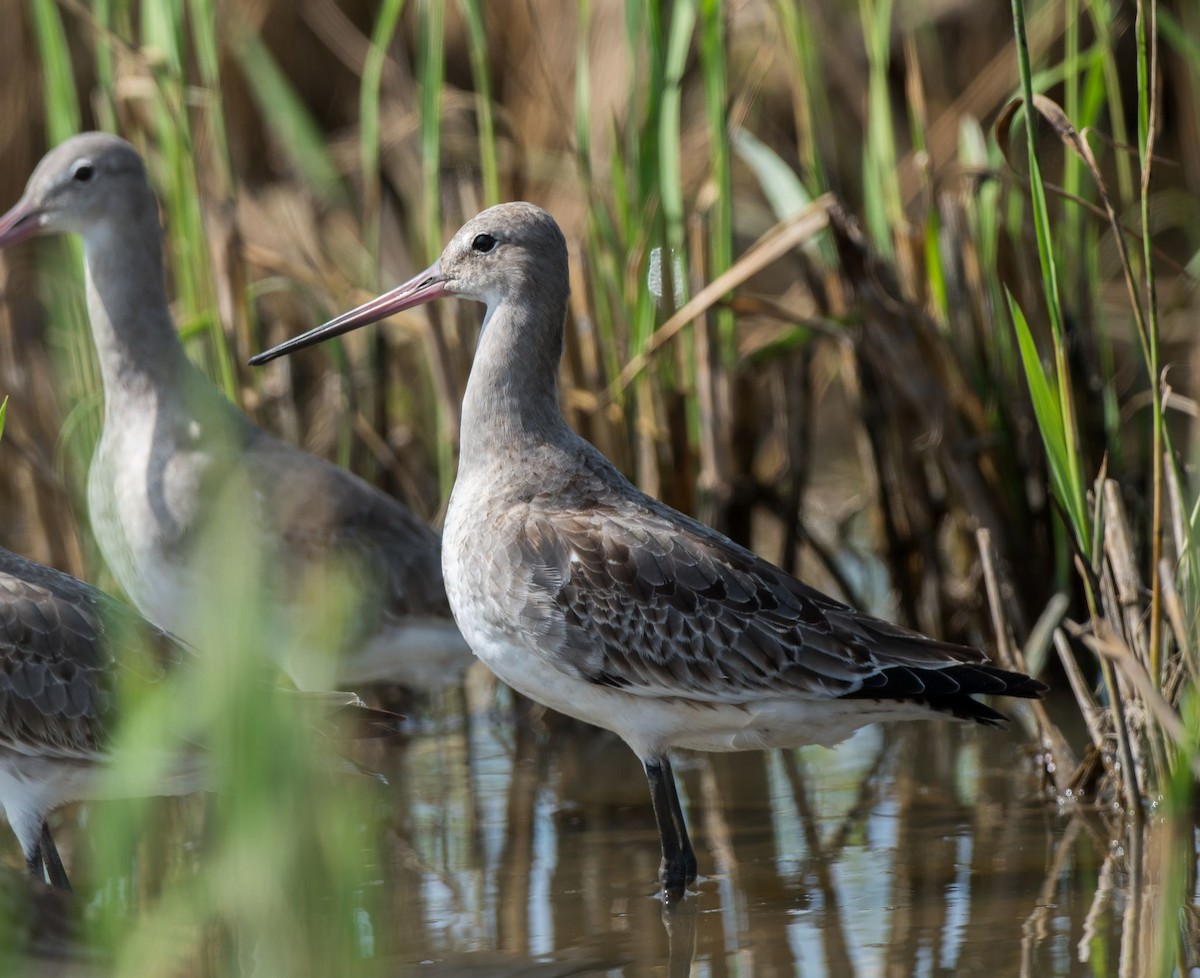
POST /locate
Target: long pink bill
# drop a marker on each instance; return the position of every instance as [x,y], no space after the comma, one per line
[19,223]
[426,287]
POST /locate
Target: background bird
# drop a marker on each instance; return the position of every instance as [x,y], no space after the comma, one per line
[174,452]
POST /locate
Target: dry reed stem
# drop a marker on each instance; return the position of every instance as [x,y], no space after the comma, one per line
[1011,657]
[1118,548]
[777,242]
[1127,750]
[1108,644]
[1093,715]
[1124,578]
[1175,615]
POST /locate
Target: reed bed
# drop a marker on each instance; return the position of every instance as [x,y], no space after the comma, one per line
[900,299]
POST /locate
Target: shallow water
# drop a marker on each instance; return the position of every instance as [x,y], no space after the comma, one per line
[922,849]
[519,843]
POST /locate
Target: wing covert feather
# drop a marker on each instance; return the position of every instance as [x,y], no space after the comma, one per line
[641,598]
[61,644]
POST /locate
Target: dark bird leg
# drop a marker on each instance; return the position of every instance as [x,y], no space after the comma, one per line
[48,855]
[678,858]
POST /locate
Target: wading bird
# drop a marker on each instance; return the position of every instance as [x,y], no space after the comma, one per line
[63,648]
[595,599]
[173,451]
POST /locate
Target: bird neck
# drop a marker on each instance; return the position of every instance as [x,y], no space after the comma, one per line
[511,401]
[136,343]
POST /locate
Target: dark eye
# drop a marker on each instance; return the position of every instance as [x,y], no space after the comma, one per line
[483,242]
[83,171]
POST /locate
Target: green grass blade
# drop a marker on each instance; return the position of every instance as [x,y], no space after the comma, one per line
[811,106]
[713,65]
[206,42]
[106,66]
[670,163]
[431,71]
[296,133]
[881,191]
[583,92]
[1053,428]
[58,79]
[1050,287]
[780,184]
[477,51]
[368,115]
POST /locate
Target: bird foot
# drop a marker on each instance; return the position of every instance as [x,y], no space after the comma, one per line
[676,876]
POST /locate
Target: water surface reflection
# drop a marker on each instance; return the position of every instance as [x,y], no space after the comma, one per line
[515,842]
[916,849]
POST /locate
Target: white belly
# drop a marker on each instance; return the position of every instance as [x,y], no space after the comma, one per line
[480,584]
[31,786]
[653,724]
[139,534]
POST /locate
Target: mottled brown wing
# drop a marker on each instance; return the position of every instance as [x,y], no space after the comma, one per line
[61,644]
[642,598]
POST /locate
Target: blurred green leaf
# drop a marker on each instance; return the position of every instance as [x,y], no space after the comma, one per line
[295,131]
[58,77]
[781,185]
[368,115]
[431,72]
[477,41]
[1052,425]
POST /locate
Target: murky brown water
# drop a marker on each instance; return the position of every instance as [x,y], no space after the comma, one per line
[528,848]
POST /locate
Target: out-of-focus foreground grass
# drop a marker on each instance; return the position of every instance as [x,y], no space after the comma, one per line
[891,333]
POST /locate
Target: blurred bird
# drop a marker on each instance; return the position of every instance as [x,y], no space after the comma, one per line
[173,452]
[65,648]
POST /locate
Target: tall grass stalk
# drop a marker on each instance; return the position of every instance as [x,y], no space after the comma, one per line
[670,164]
[810,107]
[716,101]
[1148,111]
[881,190]
[296,134]
[65,305]
[480,73]
[1072,484]
[164,30]
[431,61]
[369,123]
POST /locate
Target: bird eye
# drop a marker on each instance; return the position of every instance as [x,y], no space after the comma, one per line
[483,242]
[83,171]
